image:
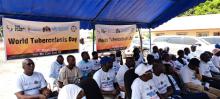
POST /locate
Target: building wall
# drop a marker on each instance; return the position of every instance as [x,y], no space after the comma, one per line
[195,32]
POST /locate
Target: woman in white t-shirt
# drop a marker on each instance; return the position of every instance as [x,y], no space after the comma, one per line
[143,87]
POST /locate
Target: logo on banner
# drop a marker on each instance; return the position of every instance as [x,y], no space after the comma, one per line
[73,28]
[118,31]
[46,29]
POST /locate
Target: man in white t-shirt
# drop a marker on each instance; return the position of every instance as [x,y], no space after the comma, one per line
[105,78]
[143,87]
[138,56]
[54,71]
[95,60]
[130,63]
[85,65]
[155,53]
[215,58]
[191,77]
[116,65]
[205,70]
[69,74]
[161,81]
[30,84]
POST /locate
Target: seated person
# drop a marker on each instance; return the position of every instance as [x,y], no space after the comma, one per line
[71,91]
[129,77]
[30,84]
[178,86]
[69,74]
[105,78]
[161,81]
[192,79]
[143,87]
[85,65]
[205,70]
[91,89]
[130,63]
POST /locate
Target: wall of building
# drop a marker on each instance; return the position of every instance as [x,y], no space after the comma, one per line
[194,32]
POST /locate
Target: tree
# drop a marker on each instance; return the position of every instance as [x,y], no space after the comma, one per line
[208,7]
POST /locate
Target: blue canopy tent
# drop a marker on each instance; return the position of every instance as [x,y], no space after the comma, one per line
[143,13]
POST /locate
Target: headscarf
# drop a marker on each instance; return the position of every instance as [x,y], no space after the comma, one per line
[69,91]
[142,68]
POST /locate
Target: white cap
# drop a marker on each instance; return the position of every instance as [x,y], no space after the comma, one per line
[141,69]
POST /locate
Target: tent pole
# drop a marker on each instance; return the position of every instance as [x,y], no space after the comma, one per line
[150,38]
[140,36]
[93,40]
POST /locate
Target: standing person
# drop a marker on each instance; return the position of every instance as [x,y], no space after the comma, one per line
[96,61]
[143,87]
[155,53]
[215,58]
[30,84]
[130,63]
[192,79]
[138,56]
[85,65]
[69,74]
[161,81]
[116,65]
[205,70]
[54,71]
[105,78]
[119,57]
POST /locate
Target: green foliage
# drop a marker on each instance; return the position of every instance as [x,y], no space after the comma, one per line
[208,7]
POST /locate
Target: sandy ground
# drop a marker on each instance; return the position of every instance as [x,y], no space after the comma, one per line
[9,70]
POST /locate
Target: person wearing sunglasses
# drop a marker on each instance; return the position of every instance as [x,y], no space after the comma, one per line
[31,84]
[143,87]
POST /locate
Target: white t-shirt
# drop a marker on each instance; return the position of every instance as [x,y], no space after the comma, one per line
[140,60]
[116,66]
[188,76]
[105,80]
[96,64]
[55,69]
[85,67]
[156,55]
[187,57]
[161,83]
[120,75]
[31,85]
[195,54]
[213,68]
[143,90]
[180,65]
[118,59]
[204,69]
[216,61]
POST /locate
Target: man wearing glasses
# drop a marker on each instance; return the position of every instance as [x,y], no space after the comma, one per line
[30,84]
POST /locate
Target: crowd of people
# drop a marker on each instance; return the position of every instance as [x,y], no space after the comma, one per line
[188,75]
